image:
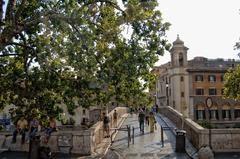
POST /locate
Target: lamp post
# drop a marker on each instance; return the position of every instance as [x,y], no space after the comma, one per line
[209,103]
[155,99]
[167,94]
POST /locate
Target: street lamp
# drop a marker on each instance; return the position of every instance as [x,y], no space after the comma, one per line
[209,104]
[155,99]
[167,94]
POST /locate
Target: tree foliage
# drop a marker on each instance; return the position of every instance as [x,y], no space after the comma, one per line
[53,52]
[232,83]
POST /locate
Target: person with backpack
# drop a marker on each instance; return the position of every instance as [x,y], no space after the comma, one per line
[106,125]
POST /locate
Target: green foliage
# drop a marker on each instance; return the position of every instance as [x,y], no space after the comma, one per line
[232,83]
[54,52]
[205,124]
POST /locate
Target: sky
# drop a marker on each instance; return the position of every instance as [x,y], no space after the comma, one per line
[209,28]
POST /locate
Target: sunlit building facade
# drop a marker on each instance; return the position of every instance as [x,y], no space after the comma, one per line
[185,84]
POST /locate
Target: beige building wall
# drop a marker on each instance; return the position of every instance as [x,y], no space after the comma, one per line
[179,87]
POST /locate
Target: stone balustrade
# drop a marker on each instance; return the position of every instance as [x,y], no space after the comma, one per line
[222,140]
[83,142]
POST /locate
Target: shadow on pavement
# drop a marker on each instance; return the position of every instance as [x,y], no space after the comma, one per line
[24,155]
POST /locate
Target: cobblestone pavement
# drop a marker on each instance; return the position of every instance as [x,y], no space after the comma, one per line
[147,145]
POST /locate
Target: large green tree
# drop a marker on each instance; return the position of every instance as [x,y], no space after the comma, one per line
[93,50]
[232,83]
[232,80]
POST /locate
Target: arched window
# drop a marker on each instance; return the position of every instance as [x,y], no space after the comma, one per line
[214,112]
[226,111]
[237,111]
[181,59]
[200,112]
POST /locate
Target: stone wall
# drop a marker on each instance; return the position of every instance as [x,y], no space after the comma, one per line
[97,129]
[222,140]
[82,142]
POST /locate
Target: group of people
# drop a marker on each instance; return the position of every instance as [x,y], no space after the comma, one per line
[23,126]
[106,122]
[147,117]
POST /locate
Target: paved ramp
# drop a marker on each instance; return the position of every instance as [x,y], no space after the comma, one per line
[147,145]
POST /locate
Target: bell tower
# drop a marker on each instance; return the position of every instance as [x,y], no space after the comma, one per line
[178,53]
[178,77]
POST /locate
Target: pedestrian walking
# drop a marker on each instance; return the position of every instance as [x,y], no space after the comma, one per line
[21,128]
[115,117]
[147,117]
[152,122]
[106,125]
[141,118]
[156,108]
[131,111]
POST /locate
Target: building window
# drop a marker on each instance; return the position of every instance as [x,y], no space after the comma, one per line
[212,91]
[214,114]
[181,59]
[200,114]
[199,91]
[226,114]
[198,78]
[237,113]
[182,78]
[182,94]
[212,78]
[222,78]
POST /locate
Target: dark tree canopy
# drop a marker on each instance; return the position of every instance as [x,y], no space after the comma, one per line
[53,52]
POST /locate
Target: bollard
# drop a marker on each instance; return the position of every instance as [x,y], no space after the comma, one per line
[128,130]
[162,136]
[133,135]
[34,147]
[180,141]
[129,133]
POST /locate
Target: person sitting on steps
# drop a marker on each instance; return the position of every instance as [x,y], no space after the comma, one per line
[52,127]
[21,128]
[33,128]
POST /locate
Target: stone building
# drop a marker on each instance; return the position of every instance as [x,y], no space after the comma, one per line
[185,84]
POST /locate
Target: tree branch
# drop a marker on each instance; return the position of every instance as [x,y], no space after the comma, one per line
[4,55]
[22,45]
[9,11]
[1,11]
[106,1]
[20,9]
